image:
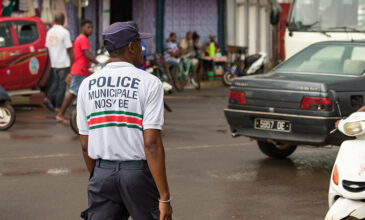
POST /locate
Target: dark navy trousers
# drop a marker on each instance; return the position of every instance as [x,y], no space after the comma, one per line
[116,192]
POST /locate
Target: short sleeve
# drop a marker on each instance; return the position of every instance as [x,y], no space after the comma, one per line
[47,40]
[82,124]
[84,43]
[153,116]
[67,40]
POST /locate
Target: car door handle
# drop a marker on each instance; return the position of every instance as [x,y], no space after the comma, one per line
[14,54]
[42,50]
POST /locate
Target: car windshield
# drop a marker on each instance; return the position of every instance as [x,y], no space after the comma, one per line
[344,59]
[327,15]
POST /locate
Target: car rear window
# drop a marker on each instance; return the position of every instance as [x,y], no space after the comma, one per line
[6,39]
[345,59]
[27,32]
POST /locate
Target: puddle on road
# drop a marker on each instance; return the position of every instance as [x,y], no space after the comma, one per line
[304,163]
[29,137]
[221,131]
[60,171]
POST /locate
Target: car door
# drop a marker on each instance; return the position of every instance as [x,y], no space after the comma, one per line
[31,54]
[8,54]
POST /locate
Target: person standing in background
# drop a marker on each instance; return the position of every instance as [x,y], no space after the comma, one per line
[58,42]
[80,67]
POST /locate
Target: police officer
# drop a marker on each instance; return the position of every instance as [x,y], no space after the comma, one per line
[120,114]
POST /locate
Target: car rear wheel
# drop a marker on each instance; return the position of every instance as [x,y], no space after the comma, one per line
[279,150]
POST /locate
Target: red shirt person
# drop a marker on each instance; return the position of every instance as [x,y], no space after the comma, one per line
[81,64]
[80,67]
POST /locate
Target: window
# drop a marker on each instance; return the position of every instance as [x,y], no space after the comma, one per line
[27,32]
[358,53]
[6,39]
[323,15]
[329,53]
[327,58]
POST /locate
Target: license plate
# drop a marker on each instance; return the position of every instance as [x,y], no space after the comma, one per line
[273,125]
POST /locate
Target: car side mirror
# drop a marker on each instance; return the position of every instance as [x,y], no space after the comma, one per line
[2,42]
[274,16]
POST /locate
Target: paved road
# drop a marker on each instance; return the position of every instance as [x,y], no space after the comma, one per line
[212,176]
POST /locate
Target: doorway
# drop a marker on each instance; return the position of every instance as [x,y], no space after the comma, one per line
[120,10]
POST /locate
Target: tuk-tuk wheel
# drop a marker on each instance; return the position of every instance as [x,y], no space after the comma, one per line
[7,116]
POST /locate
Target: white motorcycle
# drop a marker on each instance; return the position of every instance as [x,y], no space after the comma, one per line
[346,196]
[244,66]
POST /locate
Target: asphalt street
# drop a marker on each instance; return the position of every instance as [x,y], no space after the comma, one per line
[211,174]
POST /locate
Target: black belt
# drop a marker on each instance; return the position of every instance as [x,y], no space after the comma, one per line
[121,164]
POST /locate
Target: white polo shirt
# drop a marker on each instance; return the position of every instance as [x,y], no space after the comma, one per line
[114,106]
[57,41]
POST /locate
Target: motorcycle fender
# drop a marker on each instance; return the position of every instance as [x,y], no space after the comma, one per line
[256,65]
[344,208]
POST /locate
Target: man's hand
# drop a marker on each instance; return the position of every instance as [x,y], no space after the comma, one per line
[165,211]
[361,109]
[90,163]
[337,123]
[155,155]
[90,57]
[68,79]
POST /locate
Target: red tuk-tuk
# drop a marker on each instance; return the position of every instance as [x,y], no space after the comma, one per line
[24,63]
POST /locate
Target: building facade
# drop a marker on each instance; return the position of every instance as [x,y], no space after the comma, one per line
[234,22]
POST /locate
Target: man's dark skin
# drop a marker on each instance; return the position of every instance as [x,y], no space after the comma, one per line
[153,147]
[87,30]
[60,20]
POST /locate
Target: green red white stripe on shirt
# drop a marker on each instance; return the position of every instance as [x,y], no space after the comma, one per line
[114,119]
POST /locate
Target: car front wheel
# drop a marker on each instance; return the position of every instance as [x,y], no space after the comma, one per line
[7,116]
[277,150]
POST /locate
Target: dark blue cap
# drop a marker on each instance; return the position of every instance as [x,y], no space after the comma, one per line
[120,34]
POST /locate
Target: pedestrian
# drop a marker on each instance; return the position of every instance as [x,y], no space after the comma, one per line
[80,67]
[172,50]
[120,113]
[186,44]
[187,48]
[58,42]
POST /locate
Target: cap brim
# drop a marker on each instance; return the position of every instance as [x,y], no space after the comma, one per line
[145,35]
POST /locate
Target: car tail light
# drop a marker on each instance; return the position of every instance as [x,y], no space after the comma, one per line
[237,98]
[316,104]
[335,176]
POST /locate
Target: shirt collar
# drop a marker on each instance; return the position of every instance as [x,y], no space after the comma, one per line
[119,65]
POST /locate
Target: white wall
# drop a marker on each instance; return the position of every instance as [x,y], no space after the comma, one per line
[240,36]
[263,38]
[106,14]
[230,21]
